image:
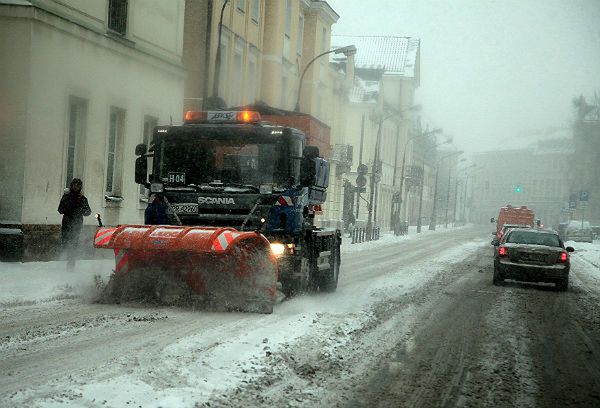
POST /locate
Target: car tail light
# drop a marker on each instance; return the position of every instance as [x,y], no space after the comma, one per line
[563,257]
[502,251]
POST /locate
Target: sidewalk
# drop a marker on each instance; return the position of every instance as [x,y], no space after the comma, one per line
[33,282]
[388,237]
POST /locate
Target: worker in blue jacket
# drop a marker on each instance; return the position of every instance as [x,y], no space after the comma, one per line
[156,212]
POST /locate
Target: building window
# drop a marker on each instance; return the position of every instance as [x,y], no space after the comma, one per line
[238,57]
[241,5]
[150,122]
[117,16]
[251,81]
[114,159]
[288,18]
[224,63]
[300,34]
[324,40]
[76,139]
[255,12]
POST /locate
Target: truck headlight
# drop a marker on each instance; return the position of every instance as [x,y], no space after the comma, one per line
[277,249]
[156,187]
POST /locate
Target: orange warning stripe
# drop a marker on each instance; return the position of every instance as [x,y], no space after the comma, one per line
[223,240]
[104,235]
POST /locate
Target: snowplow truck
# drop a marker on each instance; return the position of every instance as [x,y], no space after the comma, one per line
[518,216]
[241,198]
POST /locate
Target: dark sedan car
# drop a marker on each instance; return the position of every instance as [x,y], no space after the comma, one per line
[532,255]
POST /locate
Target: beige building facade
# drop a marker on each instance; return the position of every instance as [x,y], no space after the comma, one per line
[82,84]
[539,177]
[264,47]
[386,78]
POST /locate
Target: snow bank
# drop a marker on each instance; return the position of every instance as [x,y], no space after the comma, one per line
[32,282]
[388,238]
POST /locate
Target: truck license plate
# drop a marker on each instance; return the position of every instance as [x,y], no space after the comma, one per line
[185,208]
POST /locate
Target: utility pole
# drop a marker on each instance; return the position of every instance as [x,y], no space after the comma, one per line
[360,155]
[455,202]
[447,197]
[419,217]
[433,219]
[377,165]
[374,169]
[419,222]
[402,176]
[218,54]
[347,51]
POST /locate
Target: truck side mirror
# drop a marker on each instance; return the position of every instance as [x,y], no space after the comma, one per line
[307,172]
[141,170]
[308,167]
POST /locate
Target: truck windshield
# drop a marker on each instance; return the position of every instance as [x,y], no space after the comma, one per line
[187,160]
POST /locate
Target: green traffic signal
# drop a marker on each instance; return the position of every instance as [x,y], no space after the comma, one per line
[517,189]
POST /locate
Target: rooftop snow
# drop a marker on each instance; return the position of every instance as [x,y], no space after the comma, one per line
[364,91]
[392,54]
[15,2]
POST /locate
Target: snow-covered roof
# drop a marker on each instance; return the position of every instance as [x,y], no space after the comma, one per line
[15,2]
[364,91]
[395,55]
[550,146]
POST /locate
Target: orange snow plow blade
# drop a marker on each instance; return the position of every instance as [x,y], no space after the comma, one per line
[237,269]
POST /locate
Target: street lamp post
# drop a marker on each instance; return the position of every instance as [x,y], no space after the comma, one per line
[419,217]
[448,195]
[433,219]
[347,51]
[457,210]
[218,54]
[376,167]
[399,206]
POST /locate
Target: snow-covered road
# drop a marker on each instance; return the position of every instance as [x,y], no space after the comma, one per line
[415,322]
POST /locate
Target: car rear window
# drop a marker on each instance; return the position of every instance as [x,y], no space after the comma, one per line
[532,238]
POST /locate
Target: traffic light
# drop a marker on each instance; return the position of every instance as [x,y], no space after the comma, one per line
[518,188]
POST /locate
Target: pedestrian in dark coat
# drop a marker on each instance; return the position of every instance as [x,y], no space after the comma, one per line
[73,206]
[156,212]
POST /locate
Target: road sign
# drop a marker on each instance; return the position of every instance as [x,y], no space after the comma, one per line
[572,205]
[361,180]
[583,195]
[362,169]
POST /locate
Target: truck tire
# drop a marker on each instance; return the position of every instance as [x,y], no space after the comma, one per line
[293,284]
[329,280]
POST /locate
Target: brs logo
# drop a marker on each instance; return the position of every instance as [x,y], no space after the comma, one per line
[216,200]
[221,115]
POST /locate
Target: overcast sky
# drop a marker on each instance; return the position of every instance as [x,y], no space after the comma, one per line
[494,74]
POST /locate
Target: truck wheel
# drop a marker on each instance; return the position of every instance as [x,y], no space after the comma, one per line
[295,284]
[562,285]
[291,286]
[329,280]
[498,279]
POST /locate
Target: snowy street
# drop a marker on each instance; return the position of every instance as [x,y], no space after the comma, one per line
[415,322]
